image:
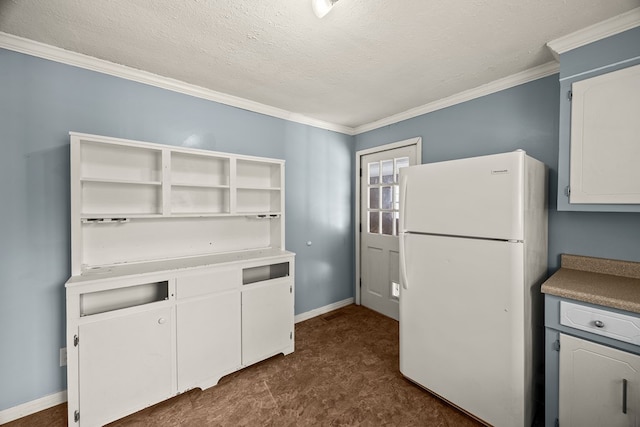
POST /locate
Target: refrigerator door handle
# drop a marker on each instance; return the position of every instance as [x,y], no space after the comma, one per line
[403,209]
[403,201]
[403,267]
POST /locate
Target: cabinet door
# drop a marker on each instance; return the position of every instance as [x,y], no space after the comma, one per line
[208,339]
[604,138]
[267,320]
[592,384]
[124,364]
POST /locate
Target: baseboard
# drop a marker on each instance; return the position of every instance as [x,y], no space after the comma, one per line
[322,310]
[32,407]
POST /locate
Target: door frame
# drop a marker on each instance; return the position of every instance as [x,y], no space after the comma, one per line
[417,141]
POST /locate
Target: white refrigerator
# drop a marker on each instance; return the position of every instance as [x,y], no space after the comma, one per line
[473,253]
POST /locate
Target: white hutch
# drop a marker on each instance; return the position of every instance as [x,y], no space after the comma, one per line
[179,272]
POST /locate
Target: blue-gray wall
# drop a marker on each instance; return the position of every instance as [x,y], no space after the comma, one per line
[41,101]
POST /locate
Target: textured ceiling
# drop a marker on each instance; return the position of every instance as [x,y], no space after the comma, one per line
[364,61]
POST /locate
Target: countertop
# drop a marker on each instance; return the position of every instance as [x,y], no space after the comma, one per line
[173,265]
[610,283]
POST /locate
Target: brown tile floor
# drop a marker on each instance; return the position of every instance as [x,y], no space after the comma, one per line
[344,372]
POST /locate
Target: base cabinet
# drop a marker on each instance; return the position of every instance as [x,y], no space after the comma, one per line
[136,340]
[267,321]
[124,364]
[208,341]
[592,364]
[599,385]
[207,326]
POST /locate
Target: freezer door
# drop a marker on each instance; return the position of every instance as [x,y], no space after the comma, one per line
[465,327]
[480,196]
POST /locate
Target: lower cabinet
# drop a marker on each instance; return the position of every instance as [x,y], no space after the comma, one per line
[208,340]
[599,385]
[124,364]
[207,328]
[267,320]
[134,342]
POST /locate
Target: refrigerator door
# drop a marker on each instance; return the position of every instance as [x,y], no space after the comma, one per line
[462,329]
[479,196]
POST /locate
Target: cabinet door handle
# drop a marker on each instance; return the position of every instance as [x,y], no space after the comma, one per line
[624,396]
[599,324]
[161,322]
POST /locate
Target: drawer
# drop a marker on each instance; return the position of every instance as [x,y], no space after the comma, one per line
[207,282]
[622,327]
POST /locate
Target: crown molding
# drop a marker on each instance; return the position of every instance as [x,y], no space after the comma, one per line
[526,76]
[52,53]
[593,33]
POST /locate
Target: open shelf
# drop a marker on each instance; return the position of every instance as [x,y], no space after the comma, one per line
[195,185]
[264,272]
[120,181]
[117,198]
[258,174]
[119,298]
[116,162]
[258,188]
[199,170]
[257,200]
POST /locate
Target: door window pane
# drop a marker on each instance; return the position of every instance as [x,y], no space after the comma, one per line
[396,220]
[374,173]
[387,171]
[401,162]
[374,198]
[374,222]
[396,197]
[387,223]
[387,197]
[384,195]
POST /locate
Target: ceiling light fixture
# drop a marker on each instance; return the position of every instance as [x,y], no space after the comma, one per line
[322,7]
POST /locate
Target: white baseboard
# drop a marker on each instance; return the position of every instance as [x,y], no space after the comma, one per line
[51,400]
[32,407]
[322,310]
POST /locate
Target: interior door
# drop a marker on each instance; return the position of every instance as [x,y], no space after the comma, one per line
[379,214]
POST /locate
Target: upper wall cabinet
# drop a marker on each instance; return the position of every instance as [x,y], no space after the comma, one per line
[605,138]
[599,130]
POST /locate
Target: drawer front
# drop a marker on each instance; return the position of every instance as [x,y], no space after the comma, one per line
[207,282]
[610,324]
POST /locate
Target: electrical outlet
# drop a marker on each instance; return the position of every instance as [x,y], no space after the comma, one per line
[395,289]
[63,356]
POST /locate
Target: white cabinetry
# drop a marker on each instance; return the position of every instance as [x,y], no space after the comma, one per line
[180,275]
[605,138]
[599,385]
[208,327]
[124,364]
[267,316]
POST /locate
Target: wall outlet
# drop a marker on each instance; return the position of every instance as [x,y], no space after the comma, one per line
[395,289]
[63,356]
